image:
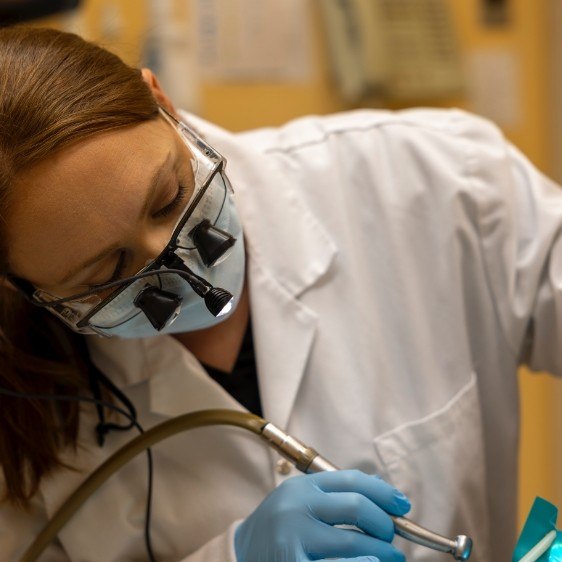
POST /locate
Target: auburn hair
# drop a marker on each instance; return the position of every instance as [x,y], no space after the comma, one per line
[55,89]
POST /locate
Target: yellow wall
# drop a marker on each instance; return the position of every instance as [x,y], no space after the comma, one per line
[243,105]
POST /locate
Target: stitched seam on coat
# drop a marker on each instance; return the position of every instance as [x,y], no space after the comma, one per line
[362,129]
[471,168]
[421,421]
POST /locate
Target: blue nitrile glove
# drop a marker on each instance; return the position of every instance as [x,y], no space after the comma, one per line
[295,522]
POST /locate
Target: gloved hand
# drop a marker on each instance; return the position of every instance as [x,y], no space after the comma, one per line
[295,522]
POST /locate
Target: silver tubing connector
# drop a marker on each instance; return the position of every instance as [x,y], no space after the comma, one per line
[289,447]
[307,460]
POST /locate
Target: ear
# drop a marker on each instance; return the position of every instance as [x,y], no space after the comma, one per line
[157,91]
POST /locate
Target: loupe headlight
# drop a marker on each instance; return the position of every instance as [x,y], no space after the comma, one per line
[162,307]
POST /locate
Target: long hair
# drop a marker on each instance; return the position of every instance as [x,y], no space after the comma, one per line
[55,90]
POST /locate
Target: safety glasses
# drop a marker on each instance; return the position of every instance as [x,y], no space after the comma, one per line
[194,232]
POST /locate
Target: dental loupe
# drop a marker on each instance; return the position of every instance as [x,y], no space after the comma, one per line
[305,458]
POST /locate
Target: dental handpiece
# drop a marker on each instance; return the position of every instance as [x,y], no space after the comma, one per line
[305,458]
[308,460]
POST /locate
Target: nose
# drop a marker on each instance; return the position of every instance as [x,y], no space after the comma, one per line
[150,244]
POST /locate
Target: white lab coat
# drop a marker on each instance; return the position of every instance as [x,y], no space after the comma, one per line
[395,263]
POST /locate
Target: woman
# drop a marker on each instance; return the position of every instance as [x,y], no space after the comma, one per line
[393,272]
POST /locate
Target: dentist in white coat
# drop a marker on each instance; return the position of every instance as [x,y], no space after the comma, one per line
[399,266]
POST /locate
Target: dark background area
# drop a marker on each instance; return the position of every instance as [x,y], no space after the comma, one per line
[16,11]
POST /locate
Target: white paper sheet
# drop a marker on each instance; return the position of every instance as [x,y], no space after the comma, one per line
[254,39]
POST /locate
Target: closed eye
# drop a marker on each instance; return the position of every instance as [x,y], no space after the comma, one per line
[163,212]
[119,268]
[173,205]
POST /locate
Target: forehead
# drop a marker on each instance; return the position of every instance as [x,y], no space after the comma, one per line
[87,190]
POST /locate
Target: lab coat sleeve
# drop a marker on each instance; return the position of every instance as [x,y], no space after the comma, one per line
[543,242]
[520,223]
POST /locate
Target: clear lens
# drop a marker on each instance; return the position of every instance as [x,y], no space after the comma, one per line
[206,203]
[120,307]
[72,311]
[209,208]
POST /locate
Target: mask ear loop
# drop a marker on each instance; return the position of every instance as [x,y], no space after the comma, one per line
[96,377]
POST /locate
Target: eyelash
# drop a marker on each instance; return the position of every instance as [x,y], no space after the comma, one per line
[170,207]
[164,212]
[119,268]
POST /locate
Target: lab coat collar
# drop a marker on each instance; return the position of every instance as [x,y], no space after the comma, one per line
[282,233]
[177,382]
[288,252]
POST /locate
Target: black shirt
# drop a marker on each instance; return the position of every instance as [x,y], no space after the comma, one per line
[242,382]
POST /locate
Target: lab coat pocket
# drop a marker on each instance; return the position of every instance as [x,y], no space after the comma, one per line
[438,461]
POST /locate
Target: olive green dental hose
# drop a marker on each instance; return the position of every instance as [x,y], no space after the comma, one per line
[306,459]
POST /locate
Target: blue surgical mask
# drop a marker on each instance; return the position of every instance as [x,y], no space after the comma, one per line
[194,283]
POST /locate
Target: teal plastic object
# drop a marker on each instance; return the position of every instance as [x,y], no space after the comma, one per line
[540,535]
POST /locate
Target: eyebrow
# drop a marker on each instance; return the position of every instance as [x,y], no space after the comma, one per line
[153,186]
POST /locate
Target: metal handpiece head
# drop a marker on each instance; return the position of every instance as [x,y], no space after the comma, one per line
[463,547]
[308,460]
